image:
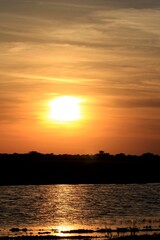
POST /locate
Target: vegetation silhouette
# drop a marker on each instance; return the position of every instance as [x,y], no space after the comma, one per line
[37,168]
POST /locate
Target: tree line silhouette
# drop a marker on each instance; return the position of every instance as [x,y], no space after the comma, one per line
[37,168]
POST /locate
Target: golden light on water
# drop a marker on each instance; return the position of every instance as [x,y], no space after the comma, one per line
[65,109]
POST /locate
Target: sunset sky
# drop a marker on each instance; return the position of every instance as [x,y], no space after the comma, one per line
[104,53]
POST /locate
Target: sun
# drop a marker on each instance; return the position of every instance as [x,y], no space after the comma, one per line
[65,109]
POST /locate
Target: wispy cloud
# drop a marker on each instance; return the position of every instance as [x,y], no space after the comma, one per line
[141,102]
[105,47]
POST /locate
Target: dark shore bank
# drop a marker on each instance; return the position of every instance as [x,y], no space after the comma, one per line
[123,233]
[36,168]
[140,237]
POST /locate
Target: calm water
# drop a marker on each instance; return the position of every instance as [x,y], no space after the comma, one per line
[78,206]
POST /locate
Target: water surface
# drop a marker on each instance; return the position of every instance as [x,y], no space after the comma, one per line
[58,207]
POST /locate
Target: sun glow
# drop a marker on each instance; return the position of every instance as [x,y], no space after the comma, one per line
[65,109]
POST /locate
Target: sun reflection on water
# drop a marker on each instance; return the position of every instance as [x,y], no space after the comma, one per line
[64,210]
[61,229]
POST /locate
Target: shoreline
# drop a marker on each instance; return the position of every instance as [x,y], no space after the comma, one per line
[103,233]
[102,168]
[47,237]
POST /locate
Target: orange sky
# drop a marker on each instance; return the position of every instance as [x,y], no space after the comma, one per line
[105,52]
